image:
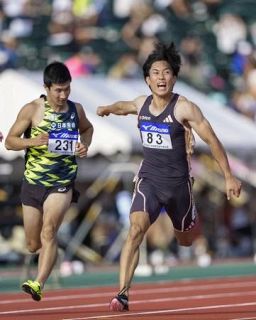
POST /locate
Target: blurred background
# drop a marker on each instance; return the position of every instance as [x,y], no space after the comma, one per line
[104,43]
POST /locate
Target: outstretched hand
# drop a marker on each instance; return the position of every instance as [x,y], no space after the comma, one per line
[102,111]
[233,187]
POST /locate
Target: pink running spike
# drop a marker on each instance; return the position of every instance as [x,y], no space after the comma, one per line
[117,305]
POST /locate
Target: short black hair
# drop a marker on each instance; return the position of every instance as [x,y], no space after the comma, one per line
[56,73]
[166,53]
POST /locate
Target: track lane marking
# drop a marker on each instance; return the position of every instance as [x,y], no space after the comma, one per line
[244,318]
[130,314]
[246,284]
[147,301]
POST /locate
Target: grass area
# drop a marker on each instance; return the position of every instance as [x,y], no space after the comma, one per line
[11,279]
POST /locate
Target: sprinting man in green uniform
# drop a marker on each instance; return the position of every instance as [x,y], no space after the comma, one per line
[53,131]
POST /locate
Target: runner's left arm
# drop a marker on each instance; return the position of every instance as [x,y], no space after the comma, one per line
[203,128]
[85,131]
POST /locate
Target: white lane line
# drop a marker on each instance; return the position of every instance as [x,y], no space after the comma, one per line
[147,301]
[149,290]
[130,314]
[244,318]
[62,308]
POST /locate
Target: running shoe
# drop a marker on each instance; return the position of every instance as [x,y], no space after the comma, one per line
[119,303]
[33,288]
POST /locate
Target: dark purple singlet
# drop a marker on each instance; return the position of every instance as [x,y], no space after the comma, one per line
[163,139]
[163,178]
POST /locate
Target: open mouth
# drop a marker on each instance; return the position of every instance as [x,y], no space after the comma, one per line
[161,85]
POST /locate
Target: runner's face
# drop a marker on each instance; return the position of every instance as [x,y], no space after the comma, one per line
[161,79]
[58,94]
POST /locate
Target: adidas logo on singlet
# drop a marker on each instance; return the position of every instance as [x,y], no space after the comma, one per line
[168,119]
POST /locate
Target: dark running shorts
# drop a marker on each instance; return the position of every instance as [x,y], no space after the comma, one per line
[177,201]
[34,195]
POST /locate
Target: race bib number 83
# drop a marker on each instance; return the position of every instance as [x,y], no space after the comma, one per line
[156,135]
[63,142]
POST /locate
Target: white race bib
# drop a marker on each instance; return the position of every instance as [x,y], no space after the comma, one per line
[63,142]
[156,135]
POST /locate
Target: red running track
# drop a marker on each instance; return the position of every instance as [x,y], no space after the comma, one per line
[223,299]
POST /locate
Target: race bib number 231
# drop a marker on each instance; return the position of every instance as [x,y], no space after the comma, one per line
[63,142]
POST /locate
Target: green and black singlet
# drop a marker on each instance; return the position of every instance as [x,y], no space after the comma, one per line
[53,164]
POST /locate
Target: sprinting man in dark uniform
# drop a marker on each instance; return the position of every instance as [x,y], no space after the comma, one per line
[165,121]
[53,130]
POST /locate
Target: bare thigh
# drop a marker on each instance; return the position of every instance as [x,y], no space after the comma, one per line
[33,221]
[55,207]
[141,219]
